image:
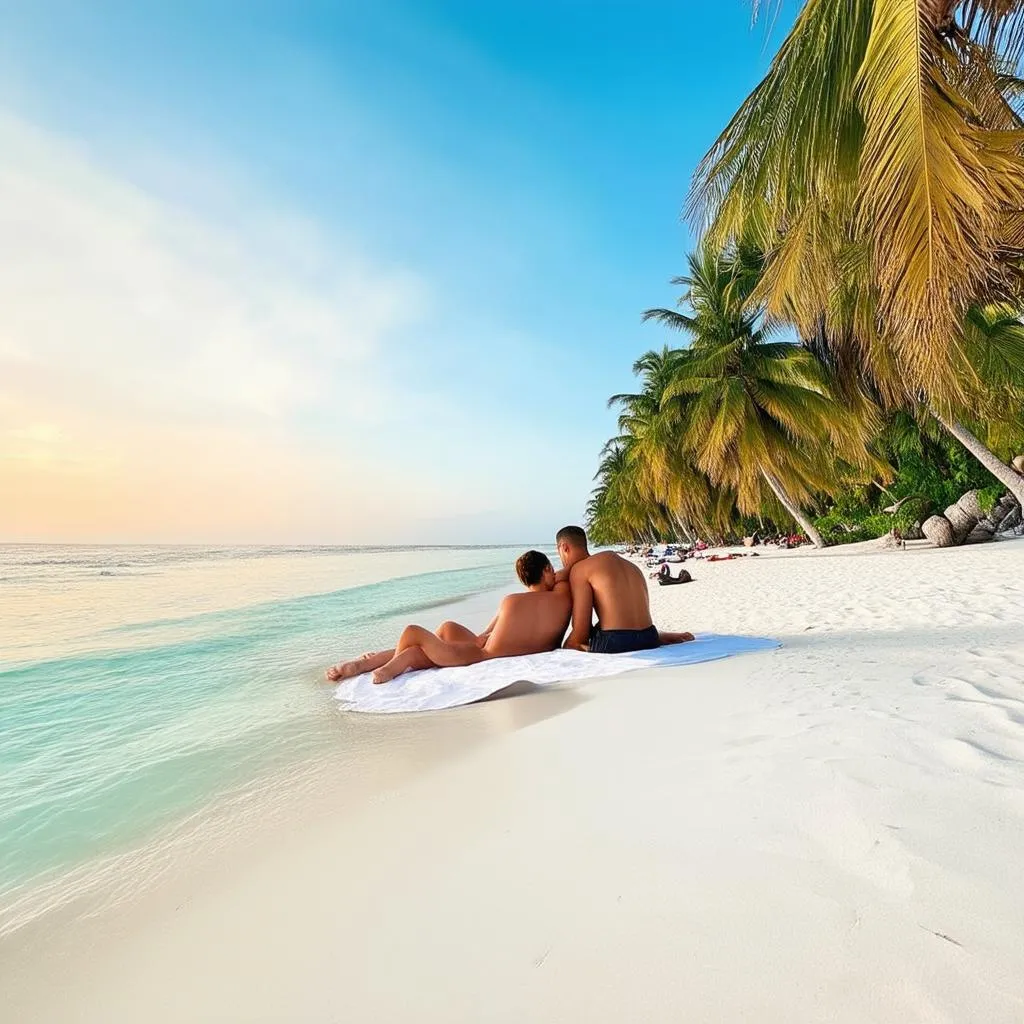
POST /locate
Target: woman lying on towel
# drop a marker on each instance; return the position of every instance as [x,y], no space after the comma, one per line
[525,624]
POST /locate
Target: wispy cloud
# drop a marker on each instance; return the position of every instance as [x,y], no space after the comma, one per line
[150,349]
[130,299]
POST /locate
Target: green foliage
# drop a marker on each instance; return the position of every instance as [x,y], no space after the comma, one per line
[916,510]
[731,425]
[737,427]
[988,496]
[878,524]
[942,470]
[838,528]
[932,472]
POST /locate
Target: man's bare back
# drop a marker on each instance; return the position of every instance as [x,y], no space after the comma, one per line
[614,588]
[620,595]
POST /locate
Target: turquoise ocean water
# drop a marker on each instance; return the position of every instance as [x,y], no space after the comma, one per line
[136,683]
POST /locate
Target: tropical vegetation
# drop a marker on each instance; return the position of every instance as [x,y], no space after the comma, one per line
[850,333]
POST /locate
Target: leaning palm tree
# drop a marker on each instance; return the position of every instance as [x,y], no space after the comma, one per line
[992,346]
[757,416]
[990,354]
[660,470]
[880,166]
[619,508]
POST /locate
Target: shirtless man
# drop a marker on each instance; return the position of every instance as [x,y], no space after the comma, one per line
[617,591]
[525,624]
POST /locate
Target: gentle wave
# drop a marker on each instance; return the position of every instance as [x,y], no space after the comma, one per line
[27,556]
[136,724]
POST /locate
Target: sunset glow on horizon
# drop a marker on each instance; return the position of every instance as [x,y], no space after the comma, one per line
[378,292]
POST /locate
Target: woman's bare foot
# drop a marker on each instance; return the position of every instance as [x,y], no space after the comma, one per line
[367,663]
[338,672]
[348,669]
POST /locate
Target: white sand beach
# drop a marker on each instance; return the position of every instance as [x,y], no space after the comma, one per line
[832,831]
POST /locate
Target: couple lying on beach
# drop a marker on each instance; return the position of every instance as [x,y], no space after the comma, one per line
[534,622]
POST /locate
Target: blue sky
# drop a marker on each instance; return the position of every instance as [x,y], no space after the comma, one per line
[338,272]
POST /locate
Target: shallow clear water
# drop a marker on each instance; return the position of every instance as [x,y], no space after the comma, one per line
[138,682]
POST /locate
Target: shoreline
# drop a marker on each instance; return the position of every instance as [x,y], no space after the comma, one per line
[675,844]
[136,864]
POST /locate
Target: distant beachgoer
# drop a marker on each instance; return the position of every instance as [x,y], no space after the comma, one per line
[525,624]
[617,591]
[666,579]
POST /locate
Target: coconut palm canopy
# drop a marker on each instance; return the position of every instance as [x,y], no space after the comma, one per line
[880,165]
[647,487]
[869,196]
[737,412]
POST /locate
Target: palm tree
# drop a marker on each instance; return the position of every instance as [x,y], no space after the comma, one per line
[880,165]
[648,486]
[754,413]
[929,462]
[661,472]
[618,509]
[990,352]
[992,346]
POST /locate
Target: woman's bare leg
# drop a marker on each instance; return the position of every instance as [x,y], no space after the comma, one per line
[356,667]
[456,633]
[446,655]
[419,648]
[451,632]
[415,636]
[409,660]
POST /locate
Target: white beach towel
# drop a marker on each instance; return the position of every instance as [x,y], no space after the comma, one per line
[439,688]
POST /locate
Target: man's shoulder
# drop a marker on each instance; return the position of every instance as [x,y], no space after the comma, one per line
[597,562]
[583,568]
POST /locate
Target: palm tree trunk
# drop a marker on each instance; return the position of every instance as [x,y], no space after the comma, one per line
[682,526]
[792,508]
[1013,481]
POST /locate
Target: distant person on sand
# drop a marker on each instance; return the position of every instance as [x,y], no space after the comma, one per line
[525,624]
[616,589]
[666,579]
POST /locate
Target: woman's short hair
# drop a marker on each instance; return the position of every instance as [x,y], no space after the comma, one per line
[530,567]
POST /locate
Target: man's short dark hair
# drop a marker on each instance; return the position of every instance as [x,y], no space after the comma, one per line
[530,567]
[574,536]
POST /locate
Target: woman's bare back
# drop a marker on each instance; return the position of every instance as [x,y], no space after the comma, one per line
[530,623]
